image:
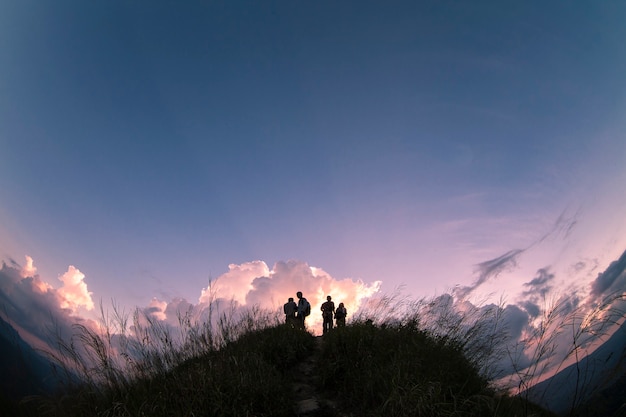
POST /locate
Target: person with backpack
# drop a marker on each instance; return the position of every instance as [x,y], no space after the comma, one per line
[340,315]
[304,309]
[328,309]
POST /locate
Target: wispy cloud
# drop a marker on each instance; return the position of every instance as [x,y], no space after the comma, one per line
[485,271]
[490,269]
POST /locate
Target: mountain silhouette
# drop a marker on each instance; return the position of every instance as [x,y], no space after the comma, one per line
[24,370]
[580,385]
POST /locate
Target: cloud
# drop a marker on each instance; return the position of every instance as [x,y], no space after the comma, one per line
[516,320]
[539,286]
[563,226]
[29,269]
[611,280]
[38,310]
[156,308]
[531,307]
[74,293]
[36,307]
[561,230]
[255,284]
[490,269]
[236,283]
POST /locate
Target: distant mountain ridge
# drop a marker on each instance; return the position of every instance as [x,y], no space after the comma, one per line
[580,385]
[24,371]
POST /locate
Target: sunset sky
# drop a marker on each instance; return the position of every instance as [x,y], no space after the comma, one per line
[145,146]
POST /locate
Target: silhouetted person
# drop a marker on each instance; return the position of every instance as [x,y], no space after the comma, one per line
[290,309]
[304,309]
[340,315]
[328,309]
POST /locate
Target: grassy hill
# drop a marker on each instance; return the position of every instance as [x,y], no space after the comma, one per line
[359,370]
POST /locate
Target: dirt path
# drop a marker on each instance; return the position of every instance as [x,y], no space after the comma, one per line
[309,401]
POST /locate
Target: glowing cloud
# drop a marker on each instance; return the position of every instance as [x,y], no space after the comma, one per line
[30,304]
[29,269]
[236,283]
[255,284]
[74,293]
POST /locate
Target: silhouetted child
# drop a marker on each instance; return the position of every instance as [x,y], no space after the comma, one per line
[340,315]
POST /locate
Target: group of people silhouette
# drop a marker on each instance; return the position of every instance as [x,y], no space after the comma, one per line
[296,313]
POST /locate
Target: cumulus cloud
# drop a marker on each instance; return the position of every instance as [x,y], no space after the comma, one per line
[32,304]
[236,283]
[255,284]
[156,309]
[613,279]
[74,294]
[71,296]
[35,308]
[38,309]
[29,269]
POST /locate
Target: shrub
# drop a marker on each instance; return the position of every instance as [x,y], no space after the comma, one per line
[399,370]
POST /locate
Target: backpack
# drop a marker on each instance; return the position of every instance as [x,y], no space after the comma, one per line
[307,307]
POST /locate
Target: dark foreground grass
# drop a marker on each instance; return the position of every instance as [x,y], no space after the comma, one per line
[400,370]
[246,377]
[369,370]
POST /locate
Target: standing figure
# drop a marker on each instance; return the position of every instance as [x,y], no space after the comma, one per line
[340,315]
[328,309]
[290,309]
[304,309]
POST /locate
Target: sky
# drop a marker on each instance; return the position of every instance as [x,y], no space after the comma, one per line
[343,148]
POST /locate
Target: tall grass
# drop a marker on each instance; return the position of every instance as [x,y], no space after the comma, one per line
[399,370]
[396,357]
[480,332]
[138,365]
[562,335]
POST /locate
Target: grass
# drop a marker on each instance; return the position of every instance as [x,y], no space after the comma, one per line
[430,360]
[243,377]
[400,370]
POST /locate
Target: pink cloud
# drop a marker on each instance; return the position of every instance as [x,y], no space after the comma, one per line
[272,289]
[74,294]
[29,269]
[235,283]
[254,284]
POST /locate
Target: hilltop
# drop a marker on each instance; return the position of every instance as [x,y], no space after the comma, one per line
[359,370]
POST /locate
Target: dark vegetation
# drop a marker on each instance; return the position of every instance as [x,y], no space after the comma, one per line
[366,369]
[431,361]
[400,370]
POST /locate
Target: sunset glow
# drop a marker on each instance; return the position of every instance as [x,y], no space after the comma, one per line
[174,157]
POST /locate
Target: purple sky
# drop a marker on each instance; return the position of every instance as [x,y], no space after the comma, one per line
[428,145]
